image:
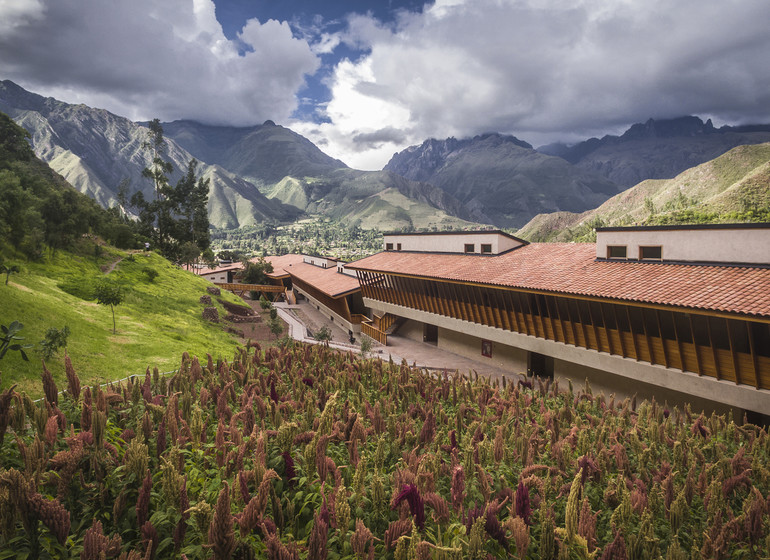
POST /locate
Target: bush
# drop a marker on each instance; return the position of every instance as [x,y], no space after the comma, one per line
[53,341]
[264,303]
[150,273]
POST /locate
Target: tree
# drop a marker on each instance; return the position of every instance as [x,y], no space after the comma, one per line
[178,215]
[109,293]
[8,269]
[276,326]
[256,272]
[54,339]
[7,340]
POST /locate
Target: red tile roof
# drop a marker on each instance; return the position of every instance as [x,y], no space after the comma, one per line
[572,268]
[327,280]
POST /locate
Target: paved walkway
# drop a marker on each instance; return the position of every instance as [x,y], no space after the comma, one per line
[420,354]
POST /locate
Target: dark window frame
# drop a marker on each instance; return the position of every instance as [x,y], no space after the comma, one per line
[486,248]
[617,247]
[470,247]
[646,249]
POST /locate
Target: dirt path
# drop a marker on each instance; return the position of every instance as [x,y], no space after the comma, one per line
[111,267]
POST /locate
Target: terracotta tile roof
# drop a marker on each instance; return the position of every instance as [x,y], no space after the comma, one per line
[573,269]
[327,280]
[280,263]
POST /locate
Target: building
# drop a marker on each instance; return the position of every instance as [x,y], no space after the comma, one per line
[222,274]
[679,313]
[326,283]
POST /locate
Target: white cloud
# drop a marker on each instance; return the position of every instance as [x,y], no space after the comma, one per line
[547,69]
[144,59]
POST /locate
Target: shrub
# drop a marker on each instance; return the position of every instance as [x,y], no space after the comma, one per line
[53,341]
[150,273]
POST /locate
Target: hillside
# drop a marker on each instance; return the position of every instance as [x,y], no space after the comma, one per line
[95,151]
[373,199]
[657,149]
[500,179]
[732,187]
[157,321]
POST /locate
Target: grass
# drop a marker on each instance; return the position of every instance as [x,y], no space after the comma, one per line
[157,321]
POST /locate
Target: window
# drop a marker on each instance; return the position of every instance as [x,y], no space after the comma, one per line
[470,248]
[616,251]
[486,348]
[486,248]
[651,253]
[398,247]
[388,246]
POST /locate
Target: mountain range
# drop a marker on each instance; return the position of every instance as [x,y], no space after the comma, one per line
[268,173]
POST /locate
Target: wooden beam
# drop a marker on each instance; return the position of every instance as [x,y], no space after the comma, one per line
[678,341]
[662,339]
[733,352]
[754,360]
[713,351]
[621,335]
[696,346]
[633,334]
[606,330]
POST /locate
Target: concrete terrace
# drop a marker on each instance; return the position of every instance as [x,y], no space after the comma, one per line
[304,317]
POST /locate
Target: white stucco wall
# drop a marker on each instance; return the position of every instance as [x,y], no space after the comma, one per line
[451,242]
[740,245]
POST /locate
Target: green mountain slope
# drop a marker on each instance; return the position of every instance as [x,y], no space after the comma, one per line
[156,322]
[733,187]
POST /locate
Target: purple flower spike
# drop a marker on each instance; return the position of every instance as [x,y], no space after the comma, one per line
[410,493]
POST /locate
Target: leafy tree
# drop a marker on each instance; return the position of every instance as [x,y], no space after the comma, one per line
[8,269]
[109,293]
[178,215]
[7,340]
[256,272]
[276,326]
[53,341]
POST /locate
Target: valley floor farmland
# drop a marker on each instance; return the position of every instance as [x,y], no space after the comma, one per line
[302,452]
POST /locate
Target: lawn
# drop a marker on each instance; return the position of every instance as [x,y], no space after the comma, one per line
[157,320]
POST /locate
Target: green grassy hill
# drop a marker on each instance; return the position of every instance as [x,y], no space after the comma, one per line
[157,321]
[735,187]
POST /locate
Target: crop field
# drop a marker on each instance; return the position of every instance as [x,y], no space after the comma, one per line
[299,452]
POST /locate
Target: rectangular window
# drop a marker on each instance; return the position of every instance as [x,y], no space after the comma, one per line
[486,248]
[486,348]
[616,251]
[470,248]
[388,246]
[651,253]
[398,247]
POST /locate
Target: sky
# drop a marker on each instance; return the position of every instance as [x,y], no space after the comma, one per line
[364,79]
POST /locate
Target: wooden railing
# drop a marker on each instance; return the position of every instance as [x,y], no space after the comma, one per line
[232,287]
[358,319]
[373,332]
[387,321]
